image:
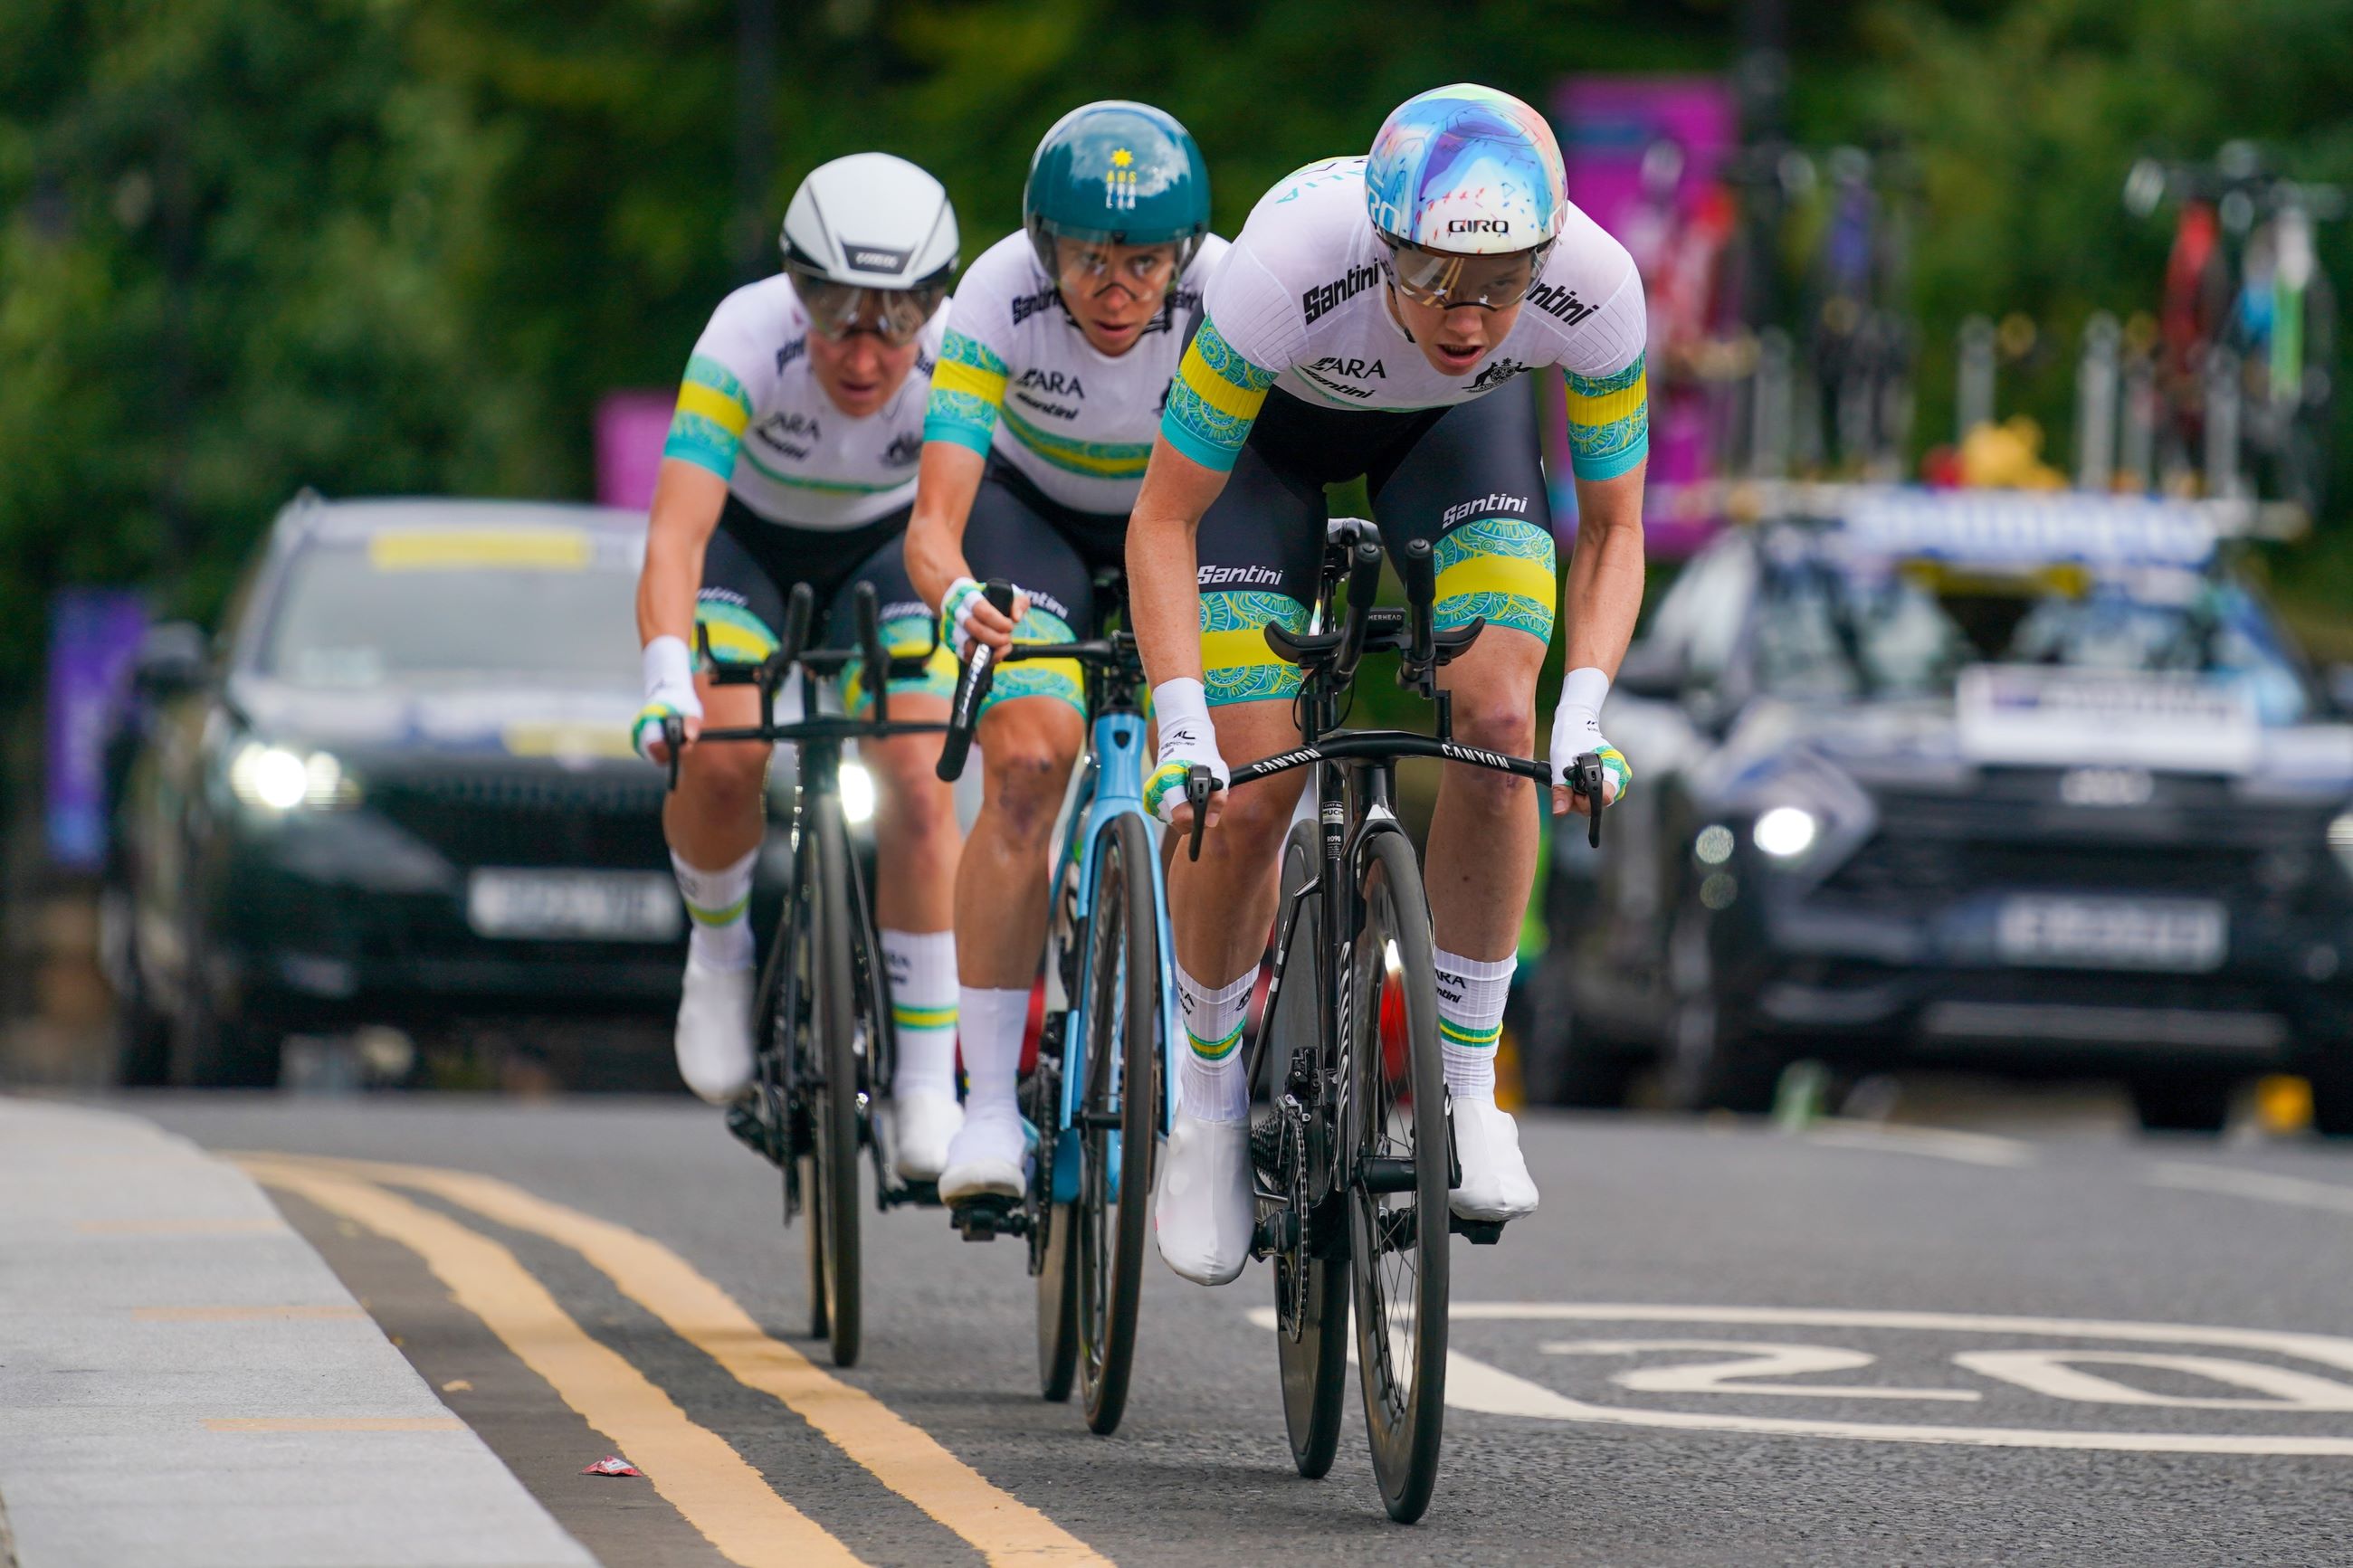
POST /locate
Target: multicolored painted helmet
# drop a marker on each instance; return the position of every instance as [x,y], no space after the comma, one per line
[1468,169]
[1122,173]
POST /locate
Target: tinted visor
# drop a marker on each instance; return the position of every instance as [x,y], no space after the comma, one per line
[1446,280]
[894,315]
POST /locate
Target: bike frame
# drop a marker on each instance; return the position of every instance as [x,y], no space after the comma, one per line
[1110,786]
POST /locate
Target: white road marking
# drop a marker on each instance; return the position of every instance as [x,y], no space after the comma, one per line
[1751,1359]
[2056,1374]
[2259,1185]
[1473,1384]
[1934,1143]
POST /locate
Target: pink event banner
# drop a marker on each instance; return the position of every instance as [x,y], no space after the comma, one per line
[1607,124]
[630,429]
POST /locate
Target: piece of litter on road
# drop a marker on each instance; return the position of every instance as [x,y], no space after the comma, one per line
[457,1385]
[612,1464]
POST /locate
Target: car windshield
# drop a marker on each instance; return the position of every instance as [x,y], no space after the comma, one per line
[1832,630]
[456,606]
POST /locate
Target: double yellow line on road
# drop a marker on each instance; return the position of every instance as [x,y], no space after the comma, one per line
[693,1467]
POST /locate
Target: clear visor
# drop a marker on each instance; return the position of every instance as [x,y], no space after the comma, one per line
[894,315]
[1089,265]
[1448,280]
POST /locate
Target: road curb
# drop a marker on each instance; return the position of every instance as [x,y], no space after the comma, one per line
[185,1382]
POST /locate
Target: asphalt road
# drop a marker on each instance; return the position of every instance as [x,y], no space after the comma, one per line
[1714,1345]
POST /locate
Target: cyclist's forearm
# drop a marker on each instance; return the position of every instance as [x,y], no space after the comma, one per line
[1163,592]
[686,504]
[945,485]
[1603,596]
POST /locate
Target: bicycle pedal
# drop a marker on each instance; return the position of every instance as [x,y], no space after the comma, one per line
[1478,1232]
[922,1193]
[987,1218]
[752,1132]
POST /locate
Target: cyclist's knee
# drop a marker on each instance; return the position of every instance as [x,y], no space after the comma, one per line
[723,780]
[1028,766]
[1500,719]
[912,804]
[1251,823]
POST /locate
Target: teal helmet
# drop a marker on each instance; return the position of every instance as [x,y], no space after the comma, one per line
[1123,172]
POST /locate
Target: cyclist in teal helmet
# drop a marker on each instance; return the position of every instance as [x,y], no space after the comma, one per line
[1061,344]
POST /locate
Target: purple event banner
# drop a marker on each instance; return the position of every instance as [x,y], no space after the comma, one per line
[93,641]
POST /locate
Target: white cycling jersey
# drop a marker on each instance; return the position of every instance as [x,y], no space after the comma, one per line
[1302,302]
[751,411]
[1017,376]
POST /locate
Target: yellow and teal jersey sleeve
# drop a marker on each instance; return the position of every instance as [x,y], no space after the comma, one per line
[713,409]
[1608,421]
[1214,401]
[967,394]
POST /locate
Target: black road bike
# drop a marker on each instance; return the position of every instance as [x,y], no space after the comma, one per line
[822,1015]
[1354,1156]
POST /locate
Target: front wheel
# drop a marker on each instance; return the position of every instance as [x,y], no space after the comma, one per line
[1311,1281]
[1120,1051]
[831,1049]
[1399,1176]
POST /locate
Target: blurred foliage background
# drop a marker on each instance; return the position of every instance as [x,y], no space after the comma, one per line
[405,244]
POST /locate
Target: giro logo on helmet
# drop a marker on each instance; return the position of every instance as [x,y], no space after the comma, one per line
[1478,225]
[876,258]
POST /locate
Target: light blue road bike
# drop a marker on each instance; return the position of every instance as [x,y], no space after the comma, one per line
[1099,1095]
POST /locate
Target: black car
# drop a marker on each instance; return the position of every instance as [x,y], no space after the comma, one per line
[400,792]
[2035,786]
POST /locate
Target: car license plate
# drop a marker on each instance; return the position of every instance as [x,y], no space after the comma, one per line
[597,905]
[2113,933]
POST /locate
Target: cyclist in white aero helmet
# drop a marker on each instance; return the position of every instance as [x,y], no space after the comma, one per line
[1374,319]
[792,459]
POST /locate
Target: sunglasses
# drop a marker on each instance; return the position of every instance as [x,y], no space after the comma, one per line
[895,315]
[1447,281]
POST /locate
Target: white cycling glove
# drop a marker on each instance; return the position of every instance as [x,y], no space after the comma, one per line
[1577,729]
[1188,740]
[670,691]
[957,605]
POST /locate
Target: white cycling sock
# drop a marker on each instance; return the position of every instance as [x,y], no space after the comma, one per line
[991,1023]
[719,902]
[1211,1076]
[1470,995]
[922,967]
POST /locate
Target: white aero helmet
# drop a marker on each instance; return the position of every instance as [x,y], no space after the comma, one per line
[870,242]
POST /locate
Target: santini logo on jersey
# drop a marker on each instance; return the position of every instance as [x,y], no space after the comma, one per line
[1488,505]
[1329,297]
[1247,576]
[1560,301]
[1027,305]
[1478,225]
[790,352]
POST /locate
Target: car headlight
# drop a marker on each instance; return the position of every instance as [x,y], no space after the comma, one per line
[2340,841]
[278,780]
[1786,832]
[856,792]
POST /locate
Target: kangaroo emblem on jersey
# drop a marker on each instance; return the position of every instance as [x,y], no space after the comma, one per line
[1119,180]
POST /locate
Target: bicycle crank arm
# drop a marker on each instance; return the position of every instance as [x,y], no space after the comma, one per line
[989,1217]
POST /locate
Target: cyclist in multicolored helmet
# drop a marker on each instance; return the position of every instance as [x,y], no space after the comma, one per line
[1061,347]
[1381,318]
[792,459]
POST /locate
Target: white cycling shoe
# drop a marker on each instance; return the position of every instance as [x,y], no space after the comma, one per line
[988,1156]
[1202,1209]
[714,1031]
[926,1123]
[1495,1180]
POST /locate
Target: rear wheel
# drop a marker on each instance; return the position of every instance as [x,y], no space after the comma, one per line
[833,1097]
[1119,1123]
[1398,1224]
[1057,1303]
[2181,1100]
[1311,1278]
